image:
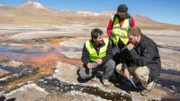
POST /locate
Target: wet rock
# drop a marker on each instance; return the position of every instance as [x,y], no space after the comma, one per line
[66,72]
[27,92]
[11,63]
[73,96]
[41,80]
[4,73]
[72,54]
[74,47]
[77,43]
[39,49]
[16,73]
[64,87]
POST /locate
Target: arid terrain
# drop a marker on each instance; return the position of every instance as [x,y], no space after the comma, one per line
[40,51]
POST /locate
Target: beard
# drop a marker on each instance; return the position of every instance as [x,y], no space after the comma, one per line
[99,43]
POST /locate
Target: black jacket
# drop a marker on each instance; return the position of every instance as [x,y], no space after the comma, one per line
[85,53]
[145,54]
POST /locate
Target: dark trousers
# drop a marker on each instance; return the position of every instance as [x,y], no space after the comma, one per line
[107,68]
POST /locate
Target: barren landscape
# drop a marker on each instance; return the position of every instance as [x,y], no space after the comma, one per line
[39,57]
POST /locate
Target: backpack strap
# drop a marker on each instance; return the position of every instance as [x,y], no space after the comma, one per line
[130,20]
[113,20]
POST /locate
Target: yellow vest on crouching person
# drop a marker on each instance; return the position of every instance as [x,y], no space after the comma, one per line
[93,56]
[119,33]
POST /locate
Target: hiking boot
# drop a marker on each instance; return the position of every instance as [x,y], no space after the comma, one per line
[145,92]
[94,78]
[106,83]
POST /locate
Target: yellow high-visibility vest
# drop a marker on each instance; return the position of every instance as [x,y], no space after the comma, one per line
[120,33]
[93,56]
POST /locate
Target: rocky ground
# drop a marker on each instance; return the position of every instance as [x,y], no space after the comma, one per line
[41,63]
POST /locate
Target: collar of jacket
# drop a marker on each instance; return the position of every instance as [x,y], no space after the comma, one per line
[101,45]
[141,40]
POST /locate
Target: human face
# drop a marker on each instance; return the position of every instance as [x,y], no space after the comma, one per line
[122,15]
[98,40]
[133,39]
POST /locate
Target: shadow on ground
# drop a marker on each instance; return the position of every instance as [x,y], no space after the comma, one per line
[3,98]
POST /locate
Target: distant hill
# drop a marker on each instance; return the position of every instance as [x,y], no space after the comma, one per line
[5,7]
[37,8]
[35,13]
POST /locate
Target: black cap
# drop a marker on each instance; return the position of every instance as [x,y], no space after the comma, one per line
[122,9]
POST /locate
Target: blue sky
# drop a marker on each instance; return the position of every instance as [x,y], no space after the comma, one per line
[167,11]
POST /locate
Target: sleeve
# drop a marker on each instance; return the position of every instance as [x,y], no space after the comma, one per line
[123,58]
[85,56]
[132,22]
[109,54]
[109,28]
[149,51]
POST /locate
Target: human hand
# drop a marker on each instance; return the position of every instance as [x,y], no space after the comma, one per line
[99,61]
[130,46]
[89,65]
[126,73]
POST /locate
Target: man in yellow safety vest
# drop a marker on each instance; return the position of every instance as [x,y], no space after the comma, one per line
[117,29]
[97,55]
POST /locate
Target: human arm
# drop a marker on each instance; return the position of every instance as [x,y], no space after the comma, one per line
[123,58]
[126,73]
[109,54]
[148,53]
[133,22]
[85,56]
[109,28]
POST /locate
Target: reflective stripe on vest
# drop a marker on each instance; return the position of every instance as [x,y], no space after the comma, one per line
[120,32]
[93,56]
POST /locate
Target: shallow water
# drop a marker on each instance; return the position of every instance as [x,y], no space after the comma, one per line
[20,49]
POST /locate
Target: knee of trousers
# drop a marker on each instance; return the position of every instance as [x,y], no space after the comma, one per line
[111,63]
[139,72]
[84,75]
[118,68]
